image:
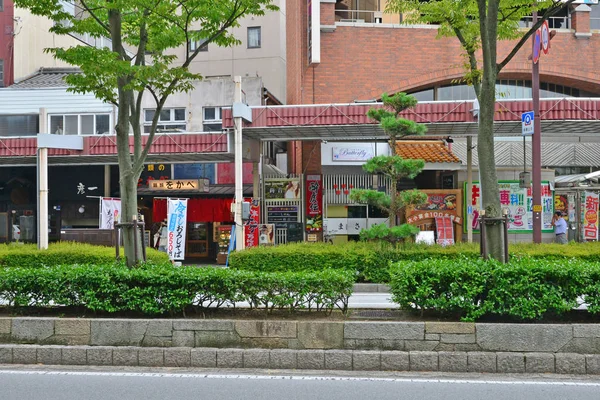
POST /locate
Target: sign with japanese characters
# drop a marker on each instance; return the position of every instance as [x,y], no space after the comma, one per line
[518,203]
[176,228]
[445,231]
[314,203]
[590,216]
[196,185]
[110,212]
[282,189]
[443,203]
[251,227]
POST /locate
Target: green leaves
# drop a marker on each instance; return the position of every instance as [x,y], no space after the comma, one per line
[158,290]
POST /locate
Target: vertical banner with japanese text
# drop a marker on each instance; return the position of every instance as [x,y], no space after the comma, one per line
[251,227]
[314,203]
[176,228]
[110,212]
[590,216]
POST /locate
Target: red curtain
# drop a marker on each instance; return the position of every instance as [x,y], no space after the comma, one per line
[199,210]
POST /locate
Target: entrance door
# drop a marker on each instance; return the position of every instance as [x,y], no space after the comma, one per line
[197,239]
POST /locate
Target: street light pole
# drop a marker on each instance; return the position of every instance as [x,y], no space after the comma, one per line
[536,144]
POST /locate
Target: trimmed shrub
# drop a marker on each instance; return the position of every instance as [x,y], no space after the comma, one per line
[371,261]
[526,288]
[155,290]
[65,253]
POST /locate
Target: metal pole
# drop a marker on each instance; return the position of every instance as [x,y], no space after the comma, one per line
[239,194]
[469,200]
[505,238]
[536,146]
[43,211]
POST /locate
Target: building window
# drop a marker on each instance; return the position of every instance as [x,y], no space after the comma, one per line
[170,120]
[19,125]
[254,37]
[80,124]
[197,44]
[212,119]
[1,72]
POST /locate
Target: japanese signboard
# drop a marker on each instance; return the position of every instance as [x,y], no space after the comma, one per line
[590,215]
[314,203]
[196,185]
[251,227]
[280,214]
[176,228]
[439,204]
[282,189]
[518,202]
[445,231]
[153,172]
[110,212]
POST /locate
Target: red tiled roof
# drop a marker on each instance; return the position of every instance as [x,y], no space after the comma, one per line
[429,151]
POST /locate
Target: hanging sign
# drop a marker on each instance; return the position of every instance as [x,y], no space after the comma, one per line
[110,212]
[590,216]
[197,185]
[251,227]
[176,228]
[314,203]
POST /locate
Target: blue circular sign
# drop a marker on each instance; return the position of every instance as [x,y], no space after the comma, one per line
[527,119]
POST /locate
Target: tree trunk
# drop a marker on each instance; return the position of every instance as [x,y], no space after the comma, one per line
[393,194]
[128,185]
[490,195]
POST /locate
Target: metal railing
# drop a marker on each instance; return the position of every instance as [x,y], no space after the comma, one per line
[553,22]
[367,17]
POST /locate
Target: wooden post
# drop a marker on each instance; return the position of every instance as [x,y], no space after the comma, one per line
[144,241]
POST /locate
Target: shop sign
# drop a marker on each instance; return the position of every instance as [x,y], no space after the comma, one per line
[352,153]
[110,212]
[282,189]
[176,228]
[251,227]
[439,202]
[281,214]
[518,203]
[196,185]
[433,214]
[266,234]
[154,172]
[590,216]
[561,203]
[445,230]
[314,203]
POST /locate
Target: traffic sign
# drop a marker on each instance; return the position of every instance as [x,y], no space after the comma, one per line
[527,123]
[545,37]
[536,46]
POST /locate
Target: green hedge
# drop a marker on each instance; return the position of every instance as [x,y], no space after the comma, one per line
[371,261]
[526,288]
[164,289]
[65,253]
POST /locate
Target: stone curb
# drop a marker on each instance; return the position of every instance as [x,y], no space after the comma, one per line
[348,360]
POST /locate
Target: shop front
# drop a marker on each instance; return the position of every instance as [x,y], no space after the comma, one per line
[441,214]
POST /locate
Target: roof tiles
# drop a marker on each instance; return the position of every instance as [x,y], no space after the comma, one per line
[429,151]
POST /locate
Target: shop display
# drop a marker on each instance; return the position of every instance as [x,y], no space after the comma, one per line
[224,238]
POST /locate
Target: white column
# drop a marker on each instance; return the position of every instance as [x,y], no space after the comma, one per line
[43,198]
[239,195]
[469,199]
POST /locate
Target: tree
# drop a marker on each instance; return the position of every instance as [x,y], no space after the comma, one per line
[394,166]
[479,25]
[141,60]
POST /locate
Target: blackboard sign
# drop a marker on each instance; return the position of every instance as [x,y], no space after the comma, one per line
[281,214]
[295,232]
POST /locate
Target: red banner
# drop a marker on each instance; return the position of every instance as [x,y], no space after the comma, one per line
[251,227]
[314,203]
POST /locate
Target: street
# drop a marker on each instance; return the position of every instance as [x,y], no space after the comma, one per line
[32,383]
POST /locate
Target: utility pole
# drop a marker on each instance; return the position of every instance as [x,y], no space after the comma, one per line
[536,142]
[239,165]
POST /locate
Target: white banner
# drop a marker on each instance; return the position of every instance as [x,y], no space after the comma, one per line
[110,212]
[176,228]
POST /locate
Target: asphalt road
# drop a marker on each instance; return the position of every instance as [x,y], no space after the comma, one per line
[161,384]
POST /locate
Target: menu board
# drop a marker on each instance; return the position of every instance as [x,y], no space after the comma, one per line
[280,214]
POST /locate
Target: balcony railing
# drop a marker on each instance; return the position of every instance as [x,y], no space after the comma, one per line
[367,17]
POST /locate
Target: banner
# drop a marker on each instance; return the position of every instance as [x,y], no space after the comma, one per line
[176,228]
[282,189]
[445,231]
[251,227]
[518,202]
[590,216]
[314,203]
[110,212]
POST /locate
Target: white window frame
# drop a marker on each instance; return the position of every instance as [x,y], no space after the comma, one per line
[213,121]
[197,43]
[163,126]
[259,29]
[79,125]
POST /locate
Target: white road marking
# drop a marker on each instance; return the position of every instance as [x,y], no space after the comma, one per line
[300,377]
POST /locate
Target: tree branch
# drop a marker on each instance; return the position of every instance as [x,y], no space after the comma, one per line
[551,11]
[96,18]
